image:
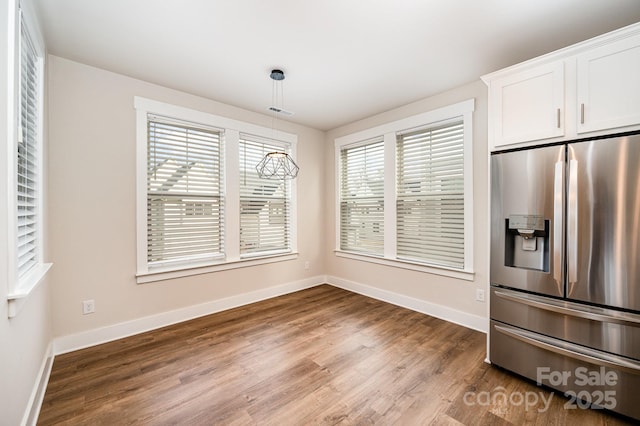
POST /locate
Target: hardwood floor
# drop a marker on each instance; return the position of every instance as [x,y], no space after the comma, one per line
[318,356]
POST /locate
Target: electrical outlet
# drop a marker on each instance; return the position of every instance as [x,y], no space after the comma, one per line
[480,295]
[88,306]
[306,265]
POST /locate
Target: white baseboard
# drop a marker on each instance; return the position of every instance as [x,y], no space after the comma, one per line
[474,322]
[109,333]
[40,386]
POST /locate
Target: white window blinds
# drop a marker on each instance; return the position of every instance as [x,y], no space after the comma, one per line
[28,158]
[430,195]
[362,197]
[265,204]
[184,192]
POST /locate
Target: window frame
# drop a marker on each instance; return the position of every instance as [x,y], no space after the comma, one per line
[389,131]
[20,287]
[405,198]
[287,192]
[231,130]
[355,146]
[194,145]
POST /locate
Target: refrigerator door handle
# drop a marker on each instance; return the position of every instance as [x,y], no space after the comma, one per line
[557,224]
[571,350]
[572,225]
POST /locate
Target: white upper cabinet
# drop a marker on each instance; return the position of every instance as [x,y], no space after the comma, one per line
[609,86]
[529,105]
[589,89]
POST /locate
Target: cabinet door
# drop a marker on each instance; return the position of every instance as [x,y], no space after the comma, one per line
[529,105]
[609,86]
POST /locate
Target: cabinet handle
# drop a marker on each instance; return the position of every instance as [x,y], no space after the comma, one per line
[558,117]
[581,113]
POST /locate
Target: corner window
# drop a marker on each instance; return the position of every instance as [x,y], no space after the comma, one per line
[201,206]
[405,192]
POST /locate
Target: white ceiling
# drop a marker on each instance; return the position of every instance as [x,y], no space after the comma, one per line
[343,59]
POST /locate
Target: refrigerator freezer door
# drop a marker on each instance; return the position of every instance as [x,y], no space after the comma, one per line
[535,355]
[527,198]
[605,265]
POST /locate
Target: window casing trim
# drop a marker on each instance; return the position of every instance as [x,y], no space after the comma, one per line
[405,264]
[389,132]
[231,130]
[205,268]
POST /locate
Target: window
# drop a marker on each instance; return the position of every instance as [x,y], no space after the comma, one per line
[184,200]
[264,203]
[362,197]
[430,195]
[200,204]
[25,165]
[28,157]
[422,166]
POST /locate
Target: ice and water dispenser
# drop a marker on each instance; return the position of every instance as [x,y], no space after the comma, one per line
[527,242]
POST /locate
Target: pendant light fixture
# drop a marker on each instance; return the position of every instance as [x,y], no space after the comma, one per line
[277,164]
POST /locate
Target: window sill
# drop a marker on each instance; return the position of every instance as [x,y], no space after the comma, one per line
[159,275]
[467,275]
[25,287]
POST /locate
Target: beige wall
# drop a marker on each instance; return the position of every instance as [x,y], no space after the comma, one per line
[92,203]
[25,341]
[25,338]
[453,293]
[92,206]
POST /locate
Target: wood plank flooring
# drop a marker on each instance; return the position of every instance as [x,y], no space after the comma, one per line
[318,356]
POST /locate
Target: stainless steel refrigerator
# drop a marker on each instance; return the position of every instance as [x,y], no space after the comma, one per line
[565,269]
